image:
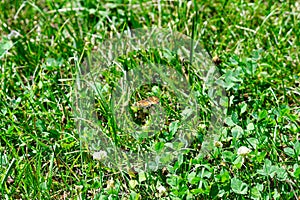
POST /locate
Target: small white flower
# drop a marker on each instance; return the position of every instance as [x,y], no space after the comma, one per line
[100,155]
[243,151]
[78,187]
[161,190]
[110,184]
[13,34]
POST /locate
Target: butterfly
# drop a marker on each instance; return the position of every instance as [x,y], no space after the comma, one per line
[141,109]
[147,102]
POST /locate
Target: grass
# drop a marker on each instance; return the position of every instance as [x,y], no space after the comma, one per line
[256,48]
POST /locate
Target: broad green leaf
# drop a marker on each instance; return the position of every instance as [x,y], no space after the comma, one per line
[297,148]
[237,131]
[255,194]
[228,156]
[263,114]
[238,162]
[268,169]
[289,151]
[239,186]
[253,142]
[261,156]
[133,183]
[193,179]
[243,107]
[250,127]
[5,45]
[281,174]
[135,196]
[297,171]
[173,127]
[142,176]
[229,121]
[224,176]
[158,146]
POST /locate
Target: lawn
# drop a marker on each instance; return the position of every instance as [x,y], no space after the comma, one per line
[94,93]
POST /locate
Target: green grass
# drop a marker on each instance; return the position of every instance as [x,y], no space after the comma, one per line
[41,154]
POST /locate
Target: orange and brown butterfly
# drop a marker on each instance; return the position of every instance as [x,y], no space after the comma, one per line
[145,103]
